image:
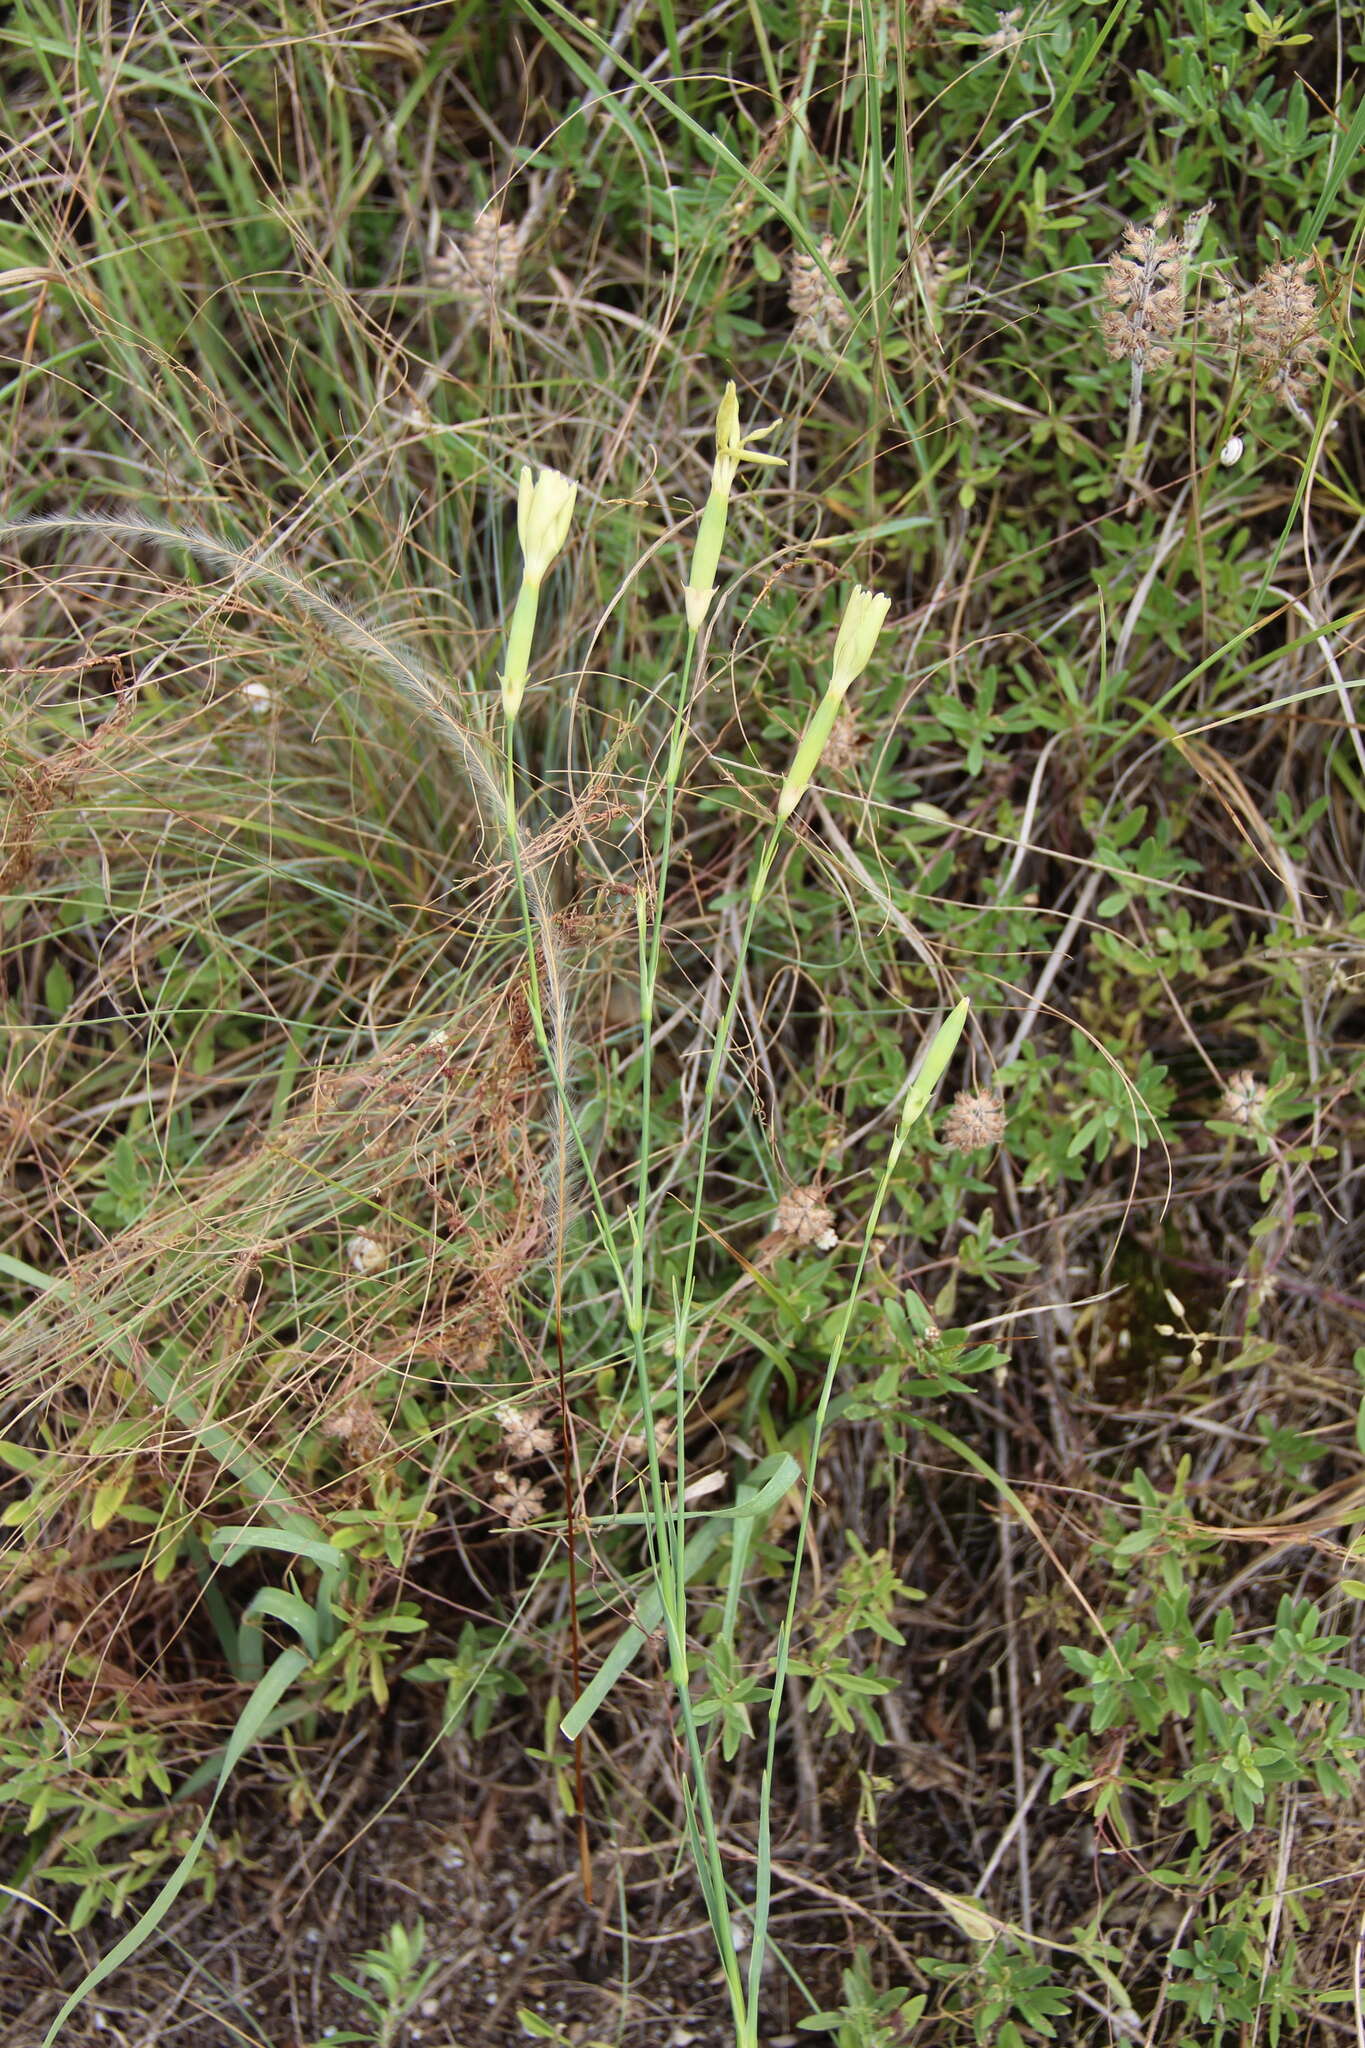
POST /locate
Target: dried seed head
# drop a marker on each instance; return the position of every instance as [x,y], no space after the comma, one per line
[524,1434]
[1144,286]
[1244,1100]
[356,1424]
[483,260]
[846,745]
[975,1120]
[819,310]
[366,1255]
[1276,328]
[806,1218]
[1009,32]
[518,1501]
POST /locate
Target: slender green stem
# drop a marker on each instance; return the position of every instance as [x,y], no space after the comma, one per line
[669,1579]
[929,1073]
[762,1891]
[670,1530]
[651,948]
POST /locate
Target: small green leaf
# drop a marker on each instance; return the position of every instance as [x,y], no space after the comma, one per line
[109,1499]
[59,990]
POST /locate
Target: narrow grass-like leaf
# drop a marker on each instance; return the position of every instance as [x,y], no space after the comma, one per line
[288,1666]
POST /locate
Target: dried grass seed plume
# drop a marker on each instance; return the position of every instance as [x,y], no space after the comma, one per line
[420,687]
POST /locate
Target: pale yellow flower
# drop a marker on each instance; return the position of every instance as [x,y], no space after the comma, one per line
[732,448]
[864,616]
[544,512]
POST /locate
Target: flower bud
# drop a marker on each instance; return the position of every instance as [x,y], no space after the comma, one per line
[732,448]
[933,1066]
[864,616]
[544,511]
[728,442]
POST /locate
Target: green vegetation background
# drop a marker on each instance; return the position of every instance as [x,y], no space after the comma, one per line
[1076,1632]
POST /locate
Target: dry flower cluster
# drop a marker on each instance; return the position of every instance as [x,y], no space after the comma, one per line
[1244,1100]
[366,1255]
[482,261]
[1273,328]
[975,1120]
[524,1434]
[357,1424]
[1144,287]
[820,311]
[1008,32]
[804,1216]
[802,1221]
[518,1501]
